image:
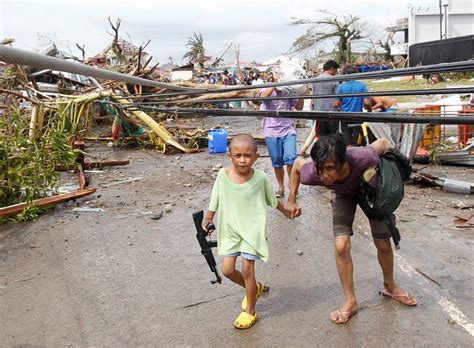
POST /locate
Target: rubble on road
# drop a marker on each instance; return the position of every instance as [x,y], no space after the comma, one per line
[448,185]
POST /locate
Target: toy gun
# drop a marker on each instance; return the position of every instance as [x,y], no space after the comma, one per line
[206,245]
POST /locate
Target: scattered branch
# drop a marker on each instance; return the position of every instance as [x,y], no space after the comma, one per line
[83,51]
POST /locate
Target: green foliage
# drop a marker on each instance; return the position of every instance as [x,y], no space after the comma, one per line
[27,168]
[404,85]
[196,48]
[460,76]
[31,213]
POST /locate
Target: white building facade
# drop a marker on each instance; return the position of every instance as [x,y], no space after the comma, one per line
[429,23]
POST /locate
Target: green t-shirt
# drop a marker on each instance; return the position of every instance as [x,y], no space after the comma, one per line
[242,213]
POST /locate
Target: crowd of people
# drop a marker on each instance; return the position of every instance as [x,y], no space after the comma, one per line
[247,77]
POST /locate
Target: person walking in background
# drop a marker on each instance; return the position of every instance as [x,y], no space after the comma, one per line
[258,79]
[270,77]
[324,104]
[351,130]
[280,134]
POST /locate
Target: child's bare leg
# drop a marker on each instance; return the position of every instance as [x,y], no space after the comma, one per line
[248,273]
[229,271]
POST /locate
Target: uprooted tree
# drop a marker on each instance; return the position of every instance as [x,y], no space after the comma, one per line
[345,29]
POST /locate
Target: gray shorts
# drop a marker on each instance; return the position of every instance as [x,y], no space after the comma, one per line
[246,256]
[343,212]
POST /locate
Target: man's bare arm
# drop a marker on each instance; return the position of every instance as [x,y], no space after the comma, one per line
[367,104]
[293,207]
[377,106]
[309,141]
[295,179]
[381,146]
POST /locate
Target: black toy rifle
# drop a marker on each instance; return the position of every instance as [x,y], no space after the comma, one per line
[206,245]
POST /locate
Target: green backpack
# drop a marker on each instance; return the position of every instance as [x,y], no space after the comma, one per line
[381,201]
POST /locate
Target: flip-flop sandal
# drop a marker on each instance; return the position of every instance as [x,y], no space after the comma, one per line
[342,317]
[261,288]
[279,194]
[245,321]
[405,299]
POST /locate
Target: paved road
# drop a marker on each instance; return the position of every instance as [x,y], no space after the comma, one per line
[118,278]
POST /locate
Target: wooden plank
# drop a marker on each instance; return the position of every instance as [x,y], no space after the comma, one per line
[83,182]
[96,165]
[101,164]
[45,202]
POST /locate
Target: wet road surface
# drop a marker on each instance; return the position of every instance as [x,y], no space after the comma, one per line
[118,278]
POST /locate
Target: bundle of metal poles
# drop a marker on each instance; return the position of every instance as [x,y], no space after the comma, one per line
[162,102]
[158,102]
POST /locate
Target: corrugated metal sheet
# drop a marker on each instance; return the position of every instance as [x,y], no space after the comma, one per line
[442,51]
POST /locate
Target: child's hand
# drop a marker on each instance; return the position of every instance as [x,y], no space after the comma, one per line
[287,213]
[208,226]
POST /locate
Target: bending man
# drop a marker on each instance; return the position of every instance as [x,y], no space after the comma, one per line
[340,170]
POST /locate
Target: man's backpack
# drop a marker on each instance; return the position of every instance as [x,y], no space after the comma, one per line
[379,202]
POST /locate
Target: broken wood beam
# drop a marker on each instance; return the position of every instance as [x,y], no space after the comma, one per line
[45,202]
[96,165]
[83,181]
[101,164]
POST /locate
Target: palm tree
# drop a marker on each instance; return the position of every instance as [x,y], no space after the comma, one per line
[196,49]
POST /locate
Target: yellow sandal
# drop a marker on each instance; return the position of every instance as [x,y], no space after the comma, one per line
[260,290]
[245,321]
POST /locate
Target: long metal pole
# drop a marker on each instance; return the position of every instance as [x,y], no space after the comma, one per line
[21,57]
[461,90]
[41,61]
[381,117]
[419,70]
[440,20]
[445,21]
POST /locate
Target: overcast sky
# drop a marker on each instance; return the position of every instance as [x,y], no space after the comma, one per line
[260,27]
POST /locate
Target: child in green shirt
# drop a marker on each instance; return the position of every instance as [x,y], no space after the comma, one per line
[241,195]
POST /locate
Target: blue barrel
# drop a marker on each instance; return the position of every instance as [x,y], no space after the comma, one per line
[217,141]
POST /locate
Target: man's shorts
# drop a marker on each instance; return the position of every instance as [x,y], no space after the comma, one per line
[282,150]
[343,212]
[246,256]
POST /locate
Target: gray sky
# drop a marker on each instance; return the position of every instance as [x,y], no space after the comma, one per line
[260,27]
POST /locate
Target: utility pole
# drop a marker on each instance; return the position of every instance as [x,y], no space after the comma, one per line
[237,53]
[446,21]
[440,20]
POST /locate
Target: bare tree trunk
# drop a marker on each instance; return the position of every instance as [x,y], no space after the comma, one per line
[83,51]
[115,45]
